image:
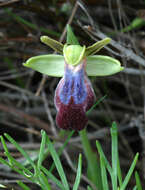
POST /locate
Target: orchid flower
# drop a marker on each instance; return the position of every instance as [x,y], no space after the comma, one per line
[74,94]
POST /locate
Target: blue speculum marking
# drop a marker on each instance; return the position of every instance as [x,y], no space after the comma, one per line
[73,86]
[79,93]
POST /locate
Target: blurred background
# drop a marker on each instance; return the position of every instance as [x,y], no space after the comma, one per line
[26,97]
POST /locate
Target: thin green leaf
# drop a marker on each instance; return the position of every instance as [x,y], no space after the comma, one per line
[119,173]
[20,149]
[14,163]
[43,181]
[6,149]
[53,178]
[57,163]
[51,65]
[104,174]
[114,155]
[79,171]
[71,38]
[94,172]
[136,23]
[138,182]
[61,149]
[23,186]
[89,188]
[100,100]
[31,25]
[12,167]
[55,45]
[100,150]
[42,149]
[127,178]
[135,188]
[99,65]
[4,162]
[91,50]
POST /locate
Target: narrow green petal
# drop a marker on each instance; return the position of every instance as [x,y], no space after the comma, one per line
[51,65]
[98,65]
[55,45]
[91,50]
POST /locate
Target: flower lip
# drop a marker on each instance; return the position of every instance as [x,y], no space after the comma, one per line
[73,97]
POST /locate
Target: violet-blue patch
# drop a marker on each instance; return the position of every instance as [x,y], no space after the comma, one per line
[66,91]
[79,92]
[73,86]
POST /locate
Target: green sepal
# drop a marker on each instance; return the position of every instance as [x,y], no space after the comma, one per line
[71,38]
[51,65]
[91,50]
[99,65]
[55,45]
[73,54]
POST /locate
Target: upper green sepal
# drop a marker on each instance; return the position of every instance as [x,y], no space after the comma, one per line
[71,38]
[73,54]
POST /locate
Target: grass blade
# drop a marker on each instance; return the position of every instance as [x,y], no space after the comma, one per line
[23,186]
[5,149]
[89,188]
[53,178]
[31,25]
[100,100]
[104,174]
[4,162]
[126,180]
[94,172]
[100,150]
[57,164]
[79,171]
[62,148]
[42,149]
[114,155]
[43,181]
[20,149]
[138,182]
[14,163]
[135,188]
[119,173]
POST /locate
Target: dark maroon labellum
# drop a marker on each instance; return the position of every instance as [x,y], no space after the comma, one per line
[74,96]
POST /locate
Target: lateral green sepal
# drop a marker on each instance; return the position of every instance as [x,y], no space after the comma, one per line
[91,50]
[73,54]
[55,45]
[51,65]
[98,65]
